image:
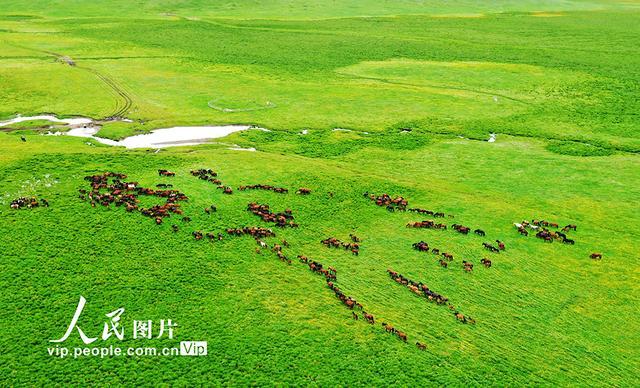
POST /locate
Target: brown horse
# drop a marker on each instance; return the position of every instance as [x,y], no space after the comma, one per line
[166,173]
[369,318]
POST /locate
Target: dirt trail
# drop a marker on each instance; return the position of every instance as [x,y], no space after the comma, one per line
[125,104]
[123,99]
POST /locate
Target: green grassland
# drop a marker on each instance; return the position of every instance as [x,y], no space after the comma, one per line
[30,125]
[557,81]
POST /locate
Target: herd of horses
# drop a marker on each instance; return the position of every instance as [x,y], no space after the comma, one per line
[281,219]
[329,272]
[280,190]
[253,231]
[419,289]
[28,203]
[351,304]
[207,174]
[467,266]
[427,224]
[542,231]
[429,213]
[353,246]
[422,290]
[423,246]
[112,188]
[392,204]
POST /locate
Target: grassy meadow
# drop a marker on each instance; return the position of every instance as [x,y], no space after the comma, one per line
[418,86]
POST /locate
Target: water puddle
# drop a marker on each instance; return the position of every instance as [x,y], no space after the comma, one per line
[54,119]
[159,138]
[177,136]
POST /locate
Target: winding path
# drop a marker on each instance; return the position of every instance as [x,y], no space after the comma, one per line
[127,102]
[124,102]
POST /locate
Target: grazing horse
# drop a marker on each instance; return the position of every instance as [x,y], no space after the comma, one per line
[166,173]
[501,245]
[23,202]
[421,346]
[354,315]
[421,246]
[350,303]
[479,232]
[391,204]
[596,256]
[461,228]
[303,191]
[491,247]
[486,263]
[443,263]
[460,317]
[369,318]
